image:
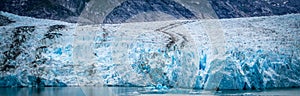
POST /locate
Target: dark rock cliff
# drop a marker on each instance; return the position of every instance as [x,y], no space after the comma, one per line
[251,8]
[47,9]
[70,10]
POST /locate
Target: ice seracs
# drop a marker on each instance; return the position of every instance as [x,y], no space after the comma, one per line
[243,53]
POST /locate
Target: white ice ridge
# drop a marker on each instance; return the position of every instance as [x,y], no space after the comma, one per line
[241,53]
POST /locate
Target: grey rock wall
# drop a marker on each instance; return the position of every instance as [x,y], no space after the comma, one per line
[74,10]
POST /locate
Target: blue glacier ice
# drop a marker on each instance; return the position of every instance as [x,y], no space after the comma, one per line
[242,53]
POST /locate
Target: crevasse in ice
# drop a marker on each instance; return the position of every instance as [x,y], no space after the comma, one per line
[245,53]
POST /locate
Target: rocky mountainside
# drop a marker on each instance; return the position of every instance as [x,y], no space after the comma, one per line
[70,10]
[251,8]
[64,10]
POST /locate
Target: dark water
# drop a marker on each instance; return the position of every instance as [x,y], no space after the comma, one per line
[132,91]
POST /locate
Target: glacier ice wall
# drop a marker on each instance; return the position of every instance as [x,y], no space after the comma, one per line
[244,53]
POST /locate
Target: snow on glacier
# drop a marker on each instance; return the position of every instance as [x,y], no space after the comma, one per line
[242,53]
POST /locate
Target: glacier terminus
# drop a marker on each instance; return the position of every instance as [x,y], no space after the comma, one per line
[239,53]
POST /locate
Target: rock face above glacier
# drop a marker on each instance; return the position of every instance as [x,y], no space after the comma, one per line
[248,53]
[95,11]
[47,9]
[252,8]
[130,8]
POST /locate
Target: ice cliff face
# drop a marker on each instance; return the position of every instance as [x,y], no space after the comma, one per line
[249,53]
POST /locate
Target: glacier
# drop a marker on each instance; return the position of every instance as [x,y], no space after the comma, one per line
[240,53]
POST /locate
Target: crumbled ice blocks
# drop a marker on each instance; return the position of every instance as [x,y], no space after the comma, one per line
[22,58]
[244,53]
[25,48]
[257,50]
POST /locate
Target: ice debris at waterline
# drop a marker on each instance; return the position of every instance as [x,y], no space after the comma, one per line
[244,53]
